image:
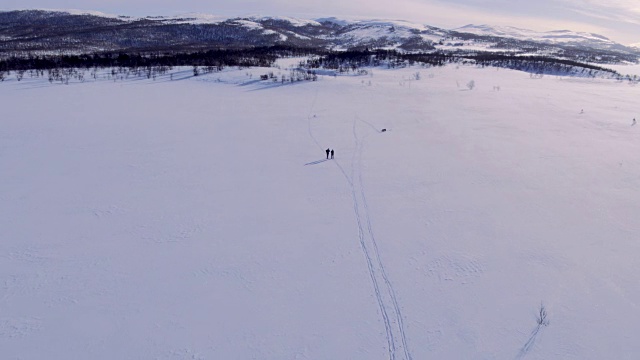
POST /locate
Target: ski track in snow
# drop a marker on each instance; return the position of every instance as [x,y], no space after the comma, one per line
[363,244]
[526,348]
[393,320]
[391,291]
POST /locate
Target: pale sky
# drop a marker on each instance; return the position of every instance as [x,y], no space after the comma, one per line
[616,19]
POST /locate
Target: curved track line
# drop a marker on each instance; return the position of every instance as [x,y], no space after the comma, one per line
[394,326]
[315,98]
[382,270]
[379,296]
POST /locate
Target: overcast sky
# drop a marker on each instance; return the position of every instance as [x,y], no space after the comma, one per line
[617,19]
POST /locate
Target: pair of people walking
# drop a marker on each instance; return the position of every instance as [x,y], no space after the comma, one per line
[329,153]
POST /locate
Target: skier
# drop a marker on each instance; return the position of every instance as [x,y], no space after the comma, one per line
[331,153]
[634,122]
[327,151]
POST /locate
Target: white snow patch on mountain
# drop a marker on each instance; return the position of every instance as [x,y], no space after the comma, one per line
[401,24]
[271,32]
[191,18]
[292,20]
[248,24]
[88,12]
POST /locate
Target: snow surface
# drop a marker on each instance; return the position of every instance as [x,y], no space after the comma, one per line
[198,218]
[625,69]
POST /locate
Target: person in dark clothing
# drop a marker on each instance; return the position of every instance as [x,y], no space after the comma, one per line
[327,153]
[332,153]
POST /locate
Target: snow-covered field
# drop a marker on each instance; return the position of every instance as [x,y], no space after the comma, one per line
[199,219]
[627,69]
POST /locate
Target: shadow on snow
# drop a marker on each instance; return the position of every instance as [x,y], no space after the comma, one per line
[316,162]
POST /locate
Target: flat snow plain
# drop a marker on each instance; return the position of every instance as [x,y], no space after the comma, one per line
[197,218]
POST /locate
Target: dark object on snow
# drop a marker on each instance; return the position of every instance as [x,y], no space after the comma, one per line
[332,153]
[383,130]
[327,151]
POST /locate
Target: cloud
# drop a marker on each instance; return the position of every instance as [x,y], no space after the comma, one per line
[610,10]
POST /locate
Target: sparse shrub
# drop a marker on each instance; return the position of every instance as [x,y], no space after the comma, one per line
[542,316]
[471,84]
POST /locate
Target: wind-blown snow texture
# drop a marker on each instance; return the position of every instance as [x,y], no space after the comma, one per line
[198,218]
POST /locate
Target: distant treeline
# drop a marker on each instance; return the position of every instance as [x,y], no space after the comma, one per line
[539,64]
[342,61]
[351,60]
[257,57]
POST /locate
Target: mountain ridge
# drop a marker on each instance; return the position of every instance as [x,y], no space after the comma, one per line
[28,32]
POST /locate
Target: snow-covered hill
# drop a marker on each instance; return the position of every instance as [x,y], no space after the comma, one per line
[187,217]
[389,34]
[552,37]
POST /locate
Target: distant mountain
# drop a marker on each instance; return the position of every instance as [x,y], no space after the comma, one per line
[36,32]
[556,37]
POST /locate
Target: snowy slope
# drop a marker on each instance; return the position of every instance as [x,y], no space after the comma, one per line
[190,18]
[551,37]
[87,12]
[396,30]
[197,218]
[297,22]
